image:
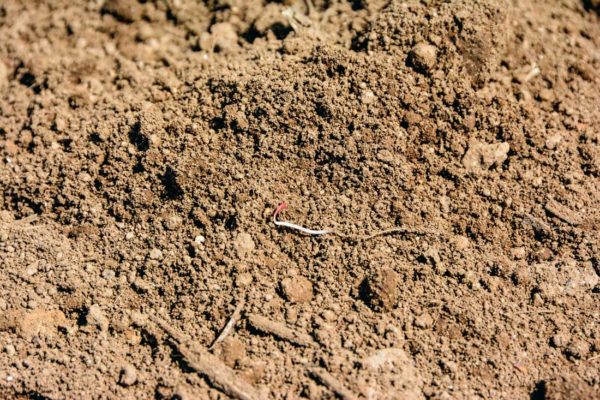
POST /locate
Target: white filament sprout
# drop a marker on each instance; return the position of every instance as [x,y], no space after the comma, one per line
[286,224]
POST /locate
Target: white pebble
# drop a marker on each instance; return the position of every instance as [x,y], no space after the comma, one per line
[199,239]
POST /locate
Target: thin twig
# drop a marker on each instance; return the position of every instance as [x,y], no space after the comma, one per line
[27,220]
[333,384]
[357,238]
[218,374]
[230,324]
[592,358]
[562,213]
[279,330]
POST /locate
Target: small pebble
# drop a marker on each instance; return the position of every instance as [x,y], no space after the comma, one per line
[140,285]
[518,253]
[461,242]
[199,239]
[32,269]
[10,349]
[329,315]
[546,95]
[578,349]
[559,340]
[243,279]
[385,156]
[108,274]
[424,321]
[173,222]
[155,254]
[553,141]
[482,156]
[128,375]
[423,57]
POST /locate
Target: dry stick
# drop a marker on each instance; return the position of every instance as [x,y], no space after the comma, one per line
[592,358]
[230,324]
[218,374]
[562,213]
[27,220]
[310,7]
[333,384]
[537,224]
[396,230]
[319,232]
[279,330]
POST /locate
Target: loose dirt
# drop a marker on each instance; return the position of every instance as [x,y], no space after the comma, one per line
[145,145]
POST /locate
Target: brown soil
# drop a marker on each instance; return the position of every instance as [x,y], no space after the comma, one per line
[144,146]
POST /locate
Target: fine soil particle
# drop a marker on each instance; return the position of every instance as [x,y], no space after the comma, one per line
[145,144]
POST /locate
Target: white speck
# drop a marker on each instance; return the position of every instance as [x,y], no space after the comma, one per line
[10,378]
[199,239]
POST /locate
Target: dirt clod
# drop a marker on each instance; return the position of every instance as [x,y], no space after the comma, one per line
[244,244]
[381,289]
[297,289]
[96,317]
[224,35]
[231,350]
[568,387]
[481,156]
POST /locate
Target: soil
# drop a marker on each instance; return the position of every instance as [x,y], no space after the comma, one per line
[145,145]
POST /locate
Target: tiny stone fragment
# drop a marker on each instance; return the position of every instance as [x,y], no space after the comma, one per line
[155,254]
[385,156]
[10,349]
[128,375]
[173,222]
[424,321]
[243,279]
[578,349]
[422,57]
